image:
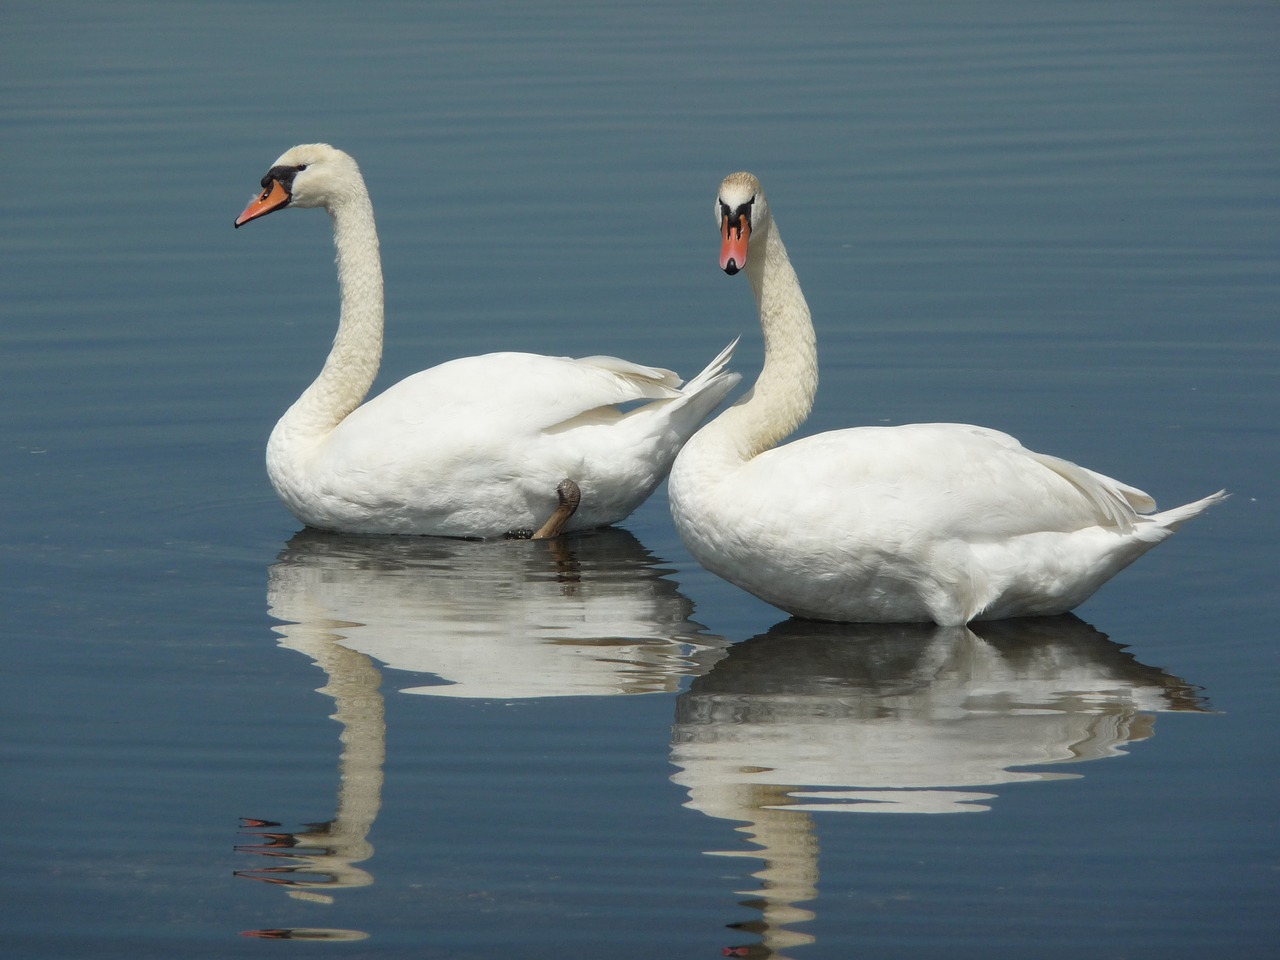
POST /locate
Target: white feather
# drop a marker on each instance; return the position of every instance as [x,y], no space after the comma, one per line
[939,521]
[474,447]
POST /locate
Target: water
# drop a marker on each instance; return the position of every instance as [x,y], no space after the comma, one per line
[1056,219]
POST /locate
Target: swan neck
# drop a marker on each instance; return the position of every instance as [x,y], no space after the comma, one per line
[353,361]
[783,394]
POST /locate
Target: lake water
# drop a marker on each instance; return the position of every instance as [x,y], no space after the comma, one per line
[1059,219]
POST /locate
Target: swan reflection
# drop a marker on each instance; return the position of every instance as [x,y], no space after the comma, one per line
[897,719]
[586,615]
[594,614]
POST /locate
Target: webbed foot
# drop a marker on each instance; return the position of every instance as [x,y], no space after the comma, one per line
[570,496]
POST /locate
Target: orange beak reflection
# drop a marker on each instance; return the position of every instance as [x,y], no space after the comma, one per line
[273,198]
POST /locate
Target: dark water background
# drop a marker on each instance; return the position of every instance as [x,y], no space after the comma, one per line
[1056,219]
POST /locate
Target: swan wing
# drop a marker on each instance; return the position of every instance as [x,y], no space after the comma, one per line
[513,393]
[946,481]
[1114,504]
[653,382]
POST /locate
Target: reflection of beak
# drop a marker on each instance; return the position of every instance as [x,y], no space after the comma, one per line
[273,198]
[262,874]
[305,933]
[733,243]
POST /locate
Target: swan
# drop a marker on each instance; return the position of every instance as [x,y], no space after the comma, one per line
[942,522]
[475,447]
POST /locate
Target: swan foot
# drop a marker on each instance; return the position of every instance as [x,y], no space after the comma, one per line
[570,496]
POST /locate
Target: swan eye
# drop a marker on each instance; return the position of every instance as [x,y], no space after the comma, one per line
[300,167]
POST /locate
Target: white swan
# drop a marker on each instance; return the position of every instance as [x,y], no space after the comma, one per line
[936,521]
[475,447]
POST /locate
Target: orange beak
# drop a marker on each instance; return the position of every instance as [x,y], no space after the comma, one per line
[733,243]
[273,198]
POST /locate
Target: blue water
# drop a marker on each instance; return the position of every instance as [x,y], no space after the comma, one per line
[1055,219]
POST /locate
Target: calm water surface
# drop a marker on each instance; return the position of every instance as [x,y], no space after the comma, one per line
[1055,219]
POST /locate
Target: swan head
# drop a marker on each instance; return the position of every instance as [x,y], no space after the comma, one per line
[308,175]
[740,207]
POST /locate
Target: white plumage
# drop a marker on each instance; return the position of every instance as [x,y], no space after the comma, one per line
[938,522]
[474,447]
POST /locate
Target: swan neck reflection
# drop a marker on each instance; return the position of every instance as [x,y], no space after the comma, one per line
[324,857]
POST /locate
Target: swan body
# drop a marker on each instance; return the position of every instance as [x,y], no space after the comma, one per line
[475,447]
[941,522]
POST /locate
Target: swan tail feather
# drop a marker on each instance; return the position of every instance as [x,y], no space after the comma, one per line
[1126,507]
[703,393]
[657,383]
[1172,519]
[714,370]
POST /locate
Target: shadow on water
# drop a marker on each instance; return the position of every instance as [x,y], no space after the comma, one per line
[907,718]
[805,718]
